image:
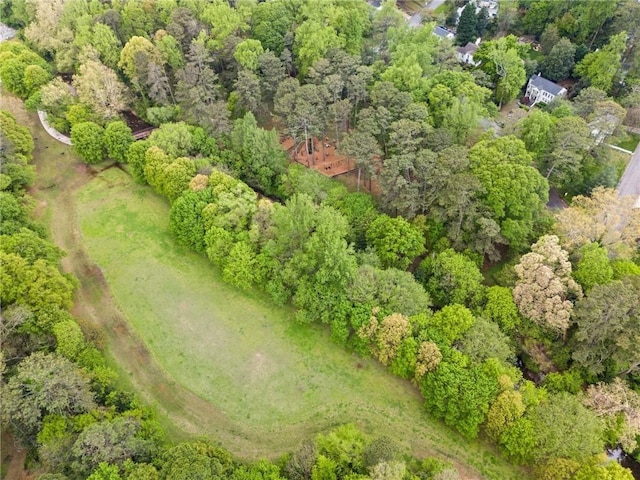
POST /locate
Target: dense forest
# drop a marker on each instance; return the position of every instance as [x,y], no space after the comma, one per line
[518,323]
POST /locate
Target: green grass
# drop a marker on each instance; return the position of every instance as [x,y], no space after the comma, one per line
[630,142]
[275,383]
[620,160]
[263,383]
[442,9]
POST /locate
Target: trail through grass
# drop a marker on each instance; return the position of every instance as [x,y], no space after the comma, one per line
[275,381]
[213,361]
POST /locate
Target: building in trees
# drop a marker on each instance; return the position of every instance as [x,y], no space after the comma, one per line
[490,5]
[443,32]
[541,90]
[465,54]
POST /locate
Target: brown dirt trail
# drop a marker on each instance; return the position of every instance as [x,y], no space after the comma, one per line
[188,414]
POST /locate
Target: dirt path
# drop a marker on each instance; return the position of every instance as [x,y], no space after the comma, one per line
[13,458]
[184,414]
[58,180]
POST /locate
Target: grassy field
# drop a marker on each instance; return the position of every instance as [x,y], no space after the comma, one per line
[212,361]
[276,382]
[630,142]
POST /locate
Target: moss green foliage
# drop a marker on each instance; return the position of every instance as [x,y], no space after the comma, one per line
[117,139]
[291,347]
[396,102]
[594,267]
[22,71]
[88,141]
[451,277]
[501,308]
[396,242]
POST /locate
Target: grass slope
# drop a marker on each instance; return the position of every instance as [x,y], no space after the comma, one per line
[334,386]
[276,382]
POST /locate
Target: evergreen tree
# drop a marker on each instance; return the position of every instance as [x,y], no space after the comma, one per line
[467,25]
[482,21]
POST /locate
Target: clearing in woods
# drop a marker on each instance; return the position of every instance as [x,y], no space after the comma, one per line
[213,361]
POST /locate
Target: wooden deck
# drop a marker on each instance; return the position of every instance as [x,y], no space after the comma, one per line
[324,159]
[144,133]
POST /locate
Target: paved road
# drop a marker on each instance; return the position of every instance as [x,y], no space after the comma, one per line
[630,181]
[415,20]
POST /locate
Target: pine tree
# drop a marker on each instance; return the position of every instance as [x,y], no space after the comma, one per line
[482,21]
[467,25]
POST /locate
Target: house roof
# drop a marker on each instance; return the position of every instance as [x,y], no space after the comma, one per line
[542,83]
[442,32]
[468,48]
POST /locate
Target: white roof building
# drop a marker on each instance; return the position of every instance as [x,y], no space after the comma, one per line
[490,5]
[465,54]
[541,90]
[443,32]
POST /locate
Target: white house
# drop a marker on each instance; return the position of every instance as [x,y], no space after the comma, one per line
[442,32]
[465,54]
[541,90]
[490,5]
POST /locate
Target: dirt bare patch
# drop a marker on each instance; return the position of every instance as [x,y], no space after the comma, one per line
[13,459]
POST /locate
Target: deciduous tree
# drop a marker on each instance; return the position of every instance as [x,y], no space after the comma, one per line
[544,289]
[134,51]
[560,61]
[572,139]
[564,428]
[396,241]
[427,360]
[514,191]
[594,267]
[43,384]
[500,308]
[459,395]
[98,86]
[609,401]
[484,340]
[604,218]
[601,67]
[111,442]
[117,140]
[391,290]
[88,141]
[450,323]
[312,41]
[451,277]
[502,61]
[608,326]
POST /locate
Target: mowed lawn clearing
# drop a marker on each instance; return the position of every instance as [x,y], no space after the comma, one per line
[274,383]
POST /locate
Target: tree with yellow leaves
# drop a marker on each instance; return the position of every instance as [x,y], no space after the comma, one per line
[545,288]
[604,218]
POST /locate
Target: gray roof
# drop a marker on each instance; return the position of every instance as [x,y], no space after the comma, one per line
[542,83]
[441,31]
[468,48]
